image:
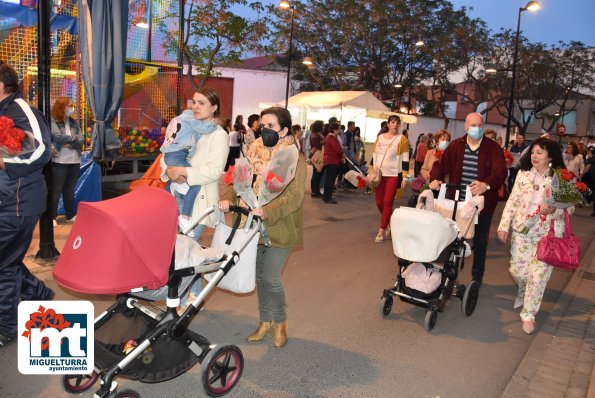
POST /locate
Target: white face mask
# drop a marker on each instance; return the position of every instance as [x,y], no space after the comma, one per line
[442,145]
[70,111]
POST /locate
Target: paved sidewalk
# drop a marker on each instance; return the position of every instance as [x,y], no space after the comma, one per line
[559,362]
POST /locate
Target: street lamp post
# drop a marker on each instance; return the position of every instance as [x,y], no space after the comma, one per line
[418,43]
[530,6]
[286,5]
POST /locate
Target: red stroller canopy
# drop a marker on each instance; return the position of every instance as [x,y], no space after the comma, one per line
[120,244]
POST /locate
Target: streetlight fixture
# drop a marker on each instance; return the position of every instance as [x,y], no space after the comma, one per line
[398,85]
[530,6]
[491,69]
[418,43]
[308,61]
[286,5]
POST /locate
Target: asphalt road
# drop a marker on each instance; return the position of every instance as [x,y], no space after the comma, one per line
[339,344]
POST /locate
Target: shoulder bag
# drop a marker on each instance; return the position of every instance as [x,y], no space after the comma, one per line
[375,176]
[562,252]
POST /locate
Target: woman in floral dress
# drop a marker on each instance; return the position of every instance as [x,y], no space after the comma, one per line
[527,200]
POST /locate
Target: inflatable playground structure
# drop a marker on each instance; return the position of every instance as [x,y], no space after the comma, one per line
[152,81]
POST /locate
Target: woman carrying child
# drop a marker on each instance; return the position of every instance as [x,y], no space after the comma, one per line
[206,164]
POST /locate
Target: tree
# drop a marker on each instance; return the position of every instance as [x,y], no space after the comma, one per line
[216,35]
[370,45]
[547,76]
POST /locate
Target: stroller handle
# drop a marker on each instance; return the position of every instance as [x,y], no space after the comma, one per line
[241,210]
[233,208]
[456,186]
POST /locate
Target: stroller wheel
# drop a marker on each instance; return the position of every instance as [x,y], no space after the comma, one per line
[76,384]
[470,298]
[430,319]
[127,394]
[386,304]
[221,370]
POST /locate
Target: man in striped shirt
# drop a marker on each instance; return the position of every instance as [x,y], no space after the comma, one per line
[479,163]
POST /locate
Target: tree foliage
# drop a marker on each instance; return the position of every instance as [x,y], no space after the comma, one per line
[547,78]
[370,45]
[215,34]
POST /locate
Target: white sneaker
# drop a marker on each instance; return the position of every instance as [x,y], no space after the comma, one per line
[185,223]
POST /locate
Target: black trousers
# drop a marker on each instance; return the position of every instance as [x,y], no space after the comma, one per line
[64,179]
[480,245]
[315,181]
[331,175]
[16,281]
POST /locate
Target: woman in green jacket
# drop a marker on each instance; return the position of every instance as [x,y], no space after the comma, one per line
[283,219]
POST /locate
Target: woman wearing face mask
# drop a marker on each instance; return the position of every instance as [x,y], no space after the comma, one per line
[442,138]
[573,160]
[67,142]
[283,218]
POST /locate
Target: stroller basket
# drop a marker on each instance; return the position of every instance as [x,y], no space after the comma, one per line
[122,329]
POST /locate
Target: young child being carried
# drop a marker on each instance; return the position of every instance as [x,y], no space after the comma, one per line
[183,134]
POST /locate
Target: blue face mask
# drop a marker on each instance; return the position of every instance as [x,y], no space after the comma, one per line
[475,132]
[442,145]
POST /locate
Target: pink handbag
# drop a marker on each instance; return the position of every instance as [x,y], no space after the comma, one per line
[560,252]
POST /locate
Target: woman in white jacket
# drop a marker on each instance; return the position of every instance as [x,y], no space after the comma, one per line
[526,200]
[207,163]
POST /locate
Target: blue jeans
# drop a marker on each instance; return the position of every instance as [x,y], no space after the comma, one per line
[178,158]
[195,287]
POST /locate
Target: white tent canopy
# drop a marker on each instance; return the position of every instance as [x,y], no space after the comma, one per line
[362,107]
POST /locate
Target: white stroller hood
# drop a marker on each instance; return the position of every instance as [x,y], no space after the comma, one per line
[420,235]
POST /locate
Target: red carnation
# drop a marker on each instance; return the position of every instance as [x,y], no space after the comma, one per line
[11,137]
[228,179]
[567,175]
[581,187]
[274,182]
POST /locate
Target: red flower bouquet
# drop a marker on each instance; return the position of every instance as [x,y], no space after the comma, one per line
[13,140]
[564,192]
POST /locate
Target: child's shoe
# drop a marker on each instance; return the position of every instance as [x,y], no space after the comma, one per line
[184,223]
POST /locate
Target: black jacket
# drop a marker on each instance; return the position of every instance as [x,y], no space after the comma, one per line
[22,184]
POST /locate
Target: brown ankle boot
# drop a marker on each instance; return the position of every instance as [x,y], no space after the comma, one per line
[261,331]
[279,332]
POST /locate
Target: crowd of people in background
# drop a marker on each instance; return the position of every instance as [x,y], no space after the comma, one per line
[479,159]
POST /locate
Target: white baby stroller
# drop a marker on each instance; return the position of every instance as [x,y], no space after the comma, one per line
[128,246]
[354,178]
[431,249]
